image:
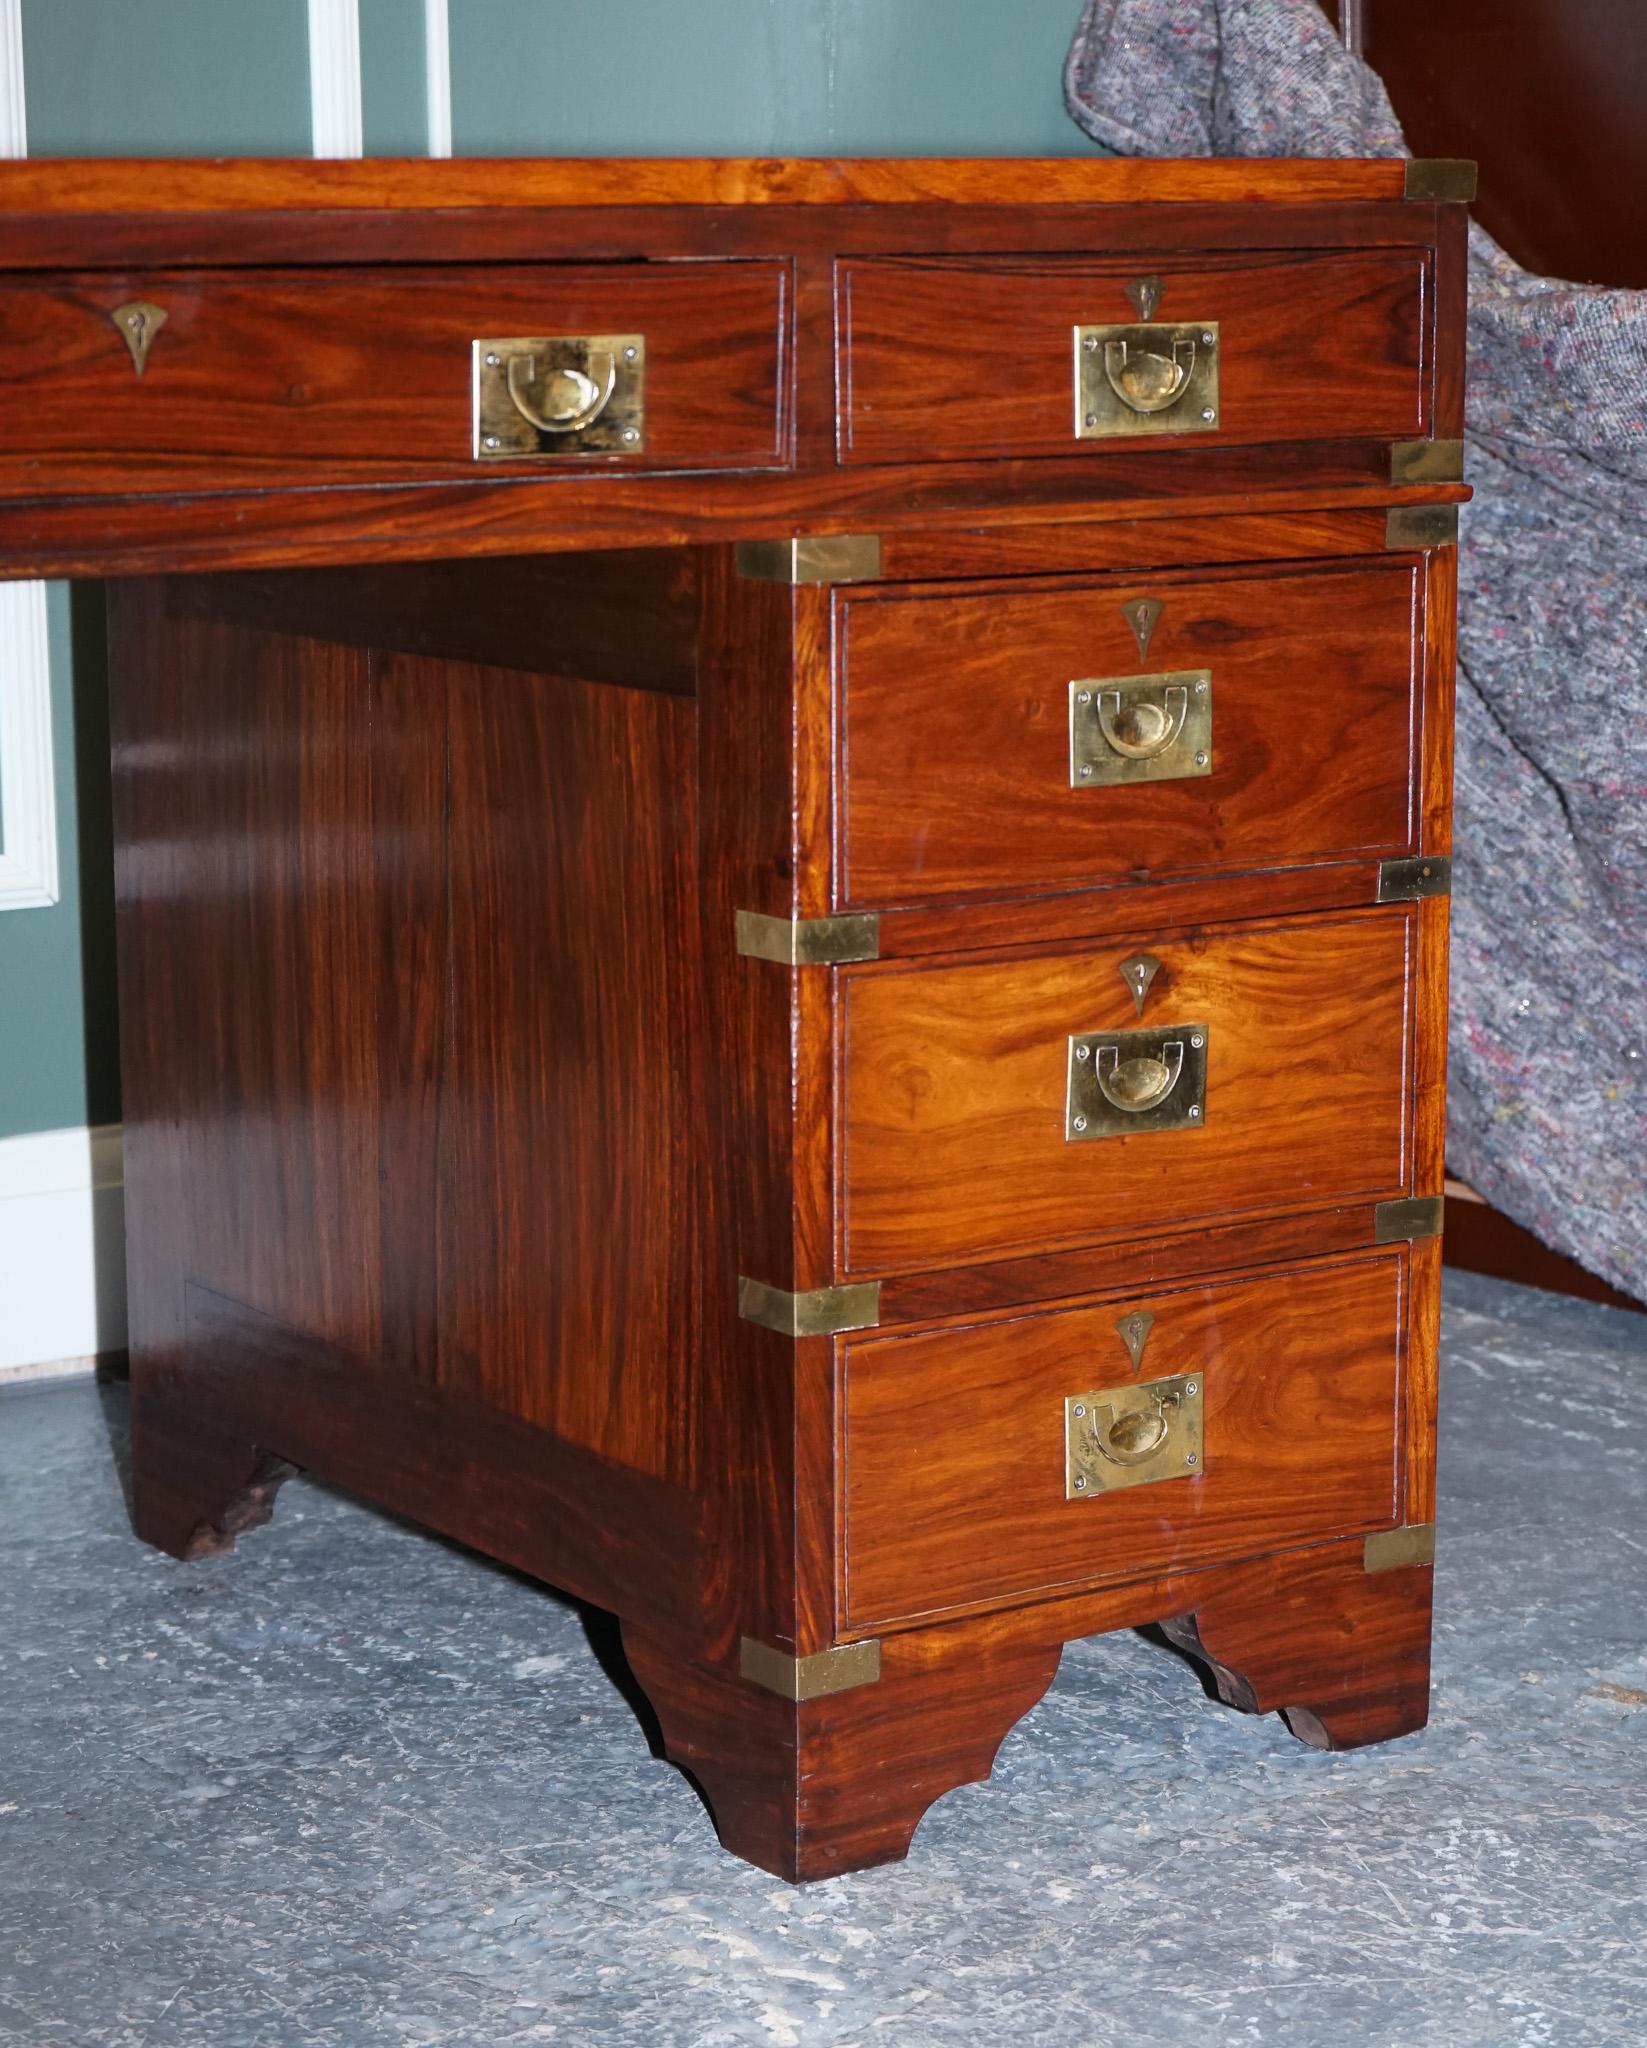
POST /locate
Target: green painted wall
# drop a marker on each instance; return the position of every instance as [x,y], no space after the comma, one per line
[762,77]
[529,77]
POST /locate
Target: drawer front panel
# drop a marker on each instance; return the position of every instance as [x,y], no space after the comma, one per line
[956,762]
[949,359]
[953,1469]
[306,376]
[956,1096]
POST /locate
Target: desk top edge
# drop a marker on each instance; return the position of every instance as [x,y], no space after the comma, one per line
[215,185]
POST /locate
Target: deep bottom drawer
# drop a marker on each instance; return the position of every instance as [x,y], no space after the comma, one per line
[956,1490]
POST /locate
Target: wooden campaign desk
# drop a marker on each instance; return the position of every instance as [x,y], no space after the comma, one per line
[782,845]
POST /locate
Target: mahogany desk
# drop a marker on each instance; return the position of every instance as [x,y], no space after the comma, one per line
[782,845]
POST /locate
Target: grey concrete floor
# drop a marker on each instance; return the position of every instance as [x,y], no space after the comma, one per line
[354,1786]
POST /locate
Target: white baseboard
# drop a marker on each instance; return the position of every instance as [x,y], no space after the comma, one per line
[62,1251]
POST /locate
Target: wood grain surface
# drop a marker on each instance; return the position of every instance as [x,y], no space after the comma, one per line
[327,377]
[946,358]
[956,751]
[952,1439]
[952,1140]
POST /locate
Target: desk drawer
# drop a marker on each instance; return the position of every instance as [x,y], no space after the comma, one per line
[956,1487]
[959,728]
[957,1085]
[312,376]
[950,359]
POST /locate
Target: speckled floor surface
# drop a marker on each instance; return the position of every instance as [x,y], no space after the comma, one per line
[352,1788]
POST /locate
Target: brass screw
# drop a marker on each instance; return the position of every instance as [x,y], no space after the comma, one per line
[1207,337]
[1197,1040]
[1080,1123]
[492,441]
[1195,1109]
[492,361]
[1091,344]
[1189,1387]
[1080,1408]
[1080,1486]
[1086,774]
[1207,413]
[1200,760]
[630,354]
[1092,419]
[1190,1458]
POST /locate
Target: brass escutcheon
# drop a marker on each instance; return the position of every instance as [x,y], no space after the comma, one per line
[1155,728]
[1132,1436]
[1149,377]
[558,395]
[1121,1082]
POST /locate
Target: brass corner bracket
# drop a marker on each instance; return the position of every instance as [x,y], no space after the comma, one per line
[809,1678]
[1426,462]
[1441,178]
[822,558]
[1421,526]
[1391,1549]
[809,941]
[1412,1217]
[1405,881]
[820,1312]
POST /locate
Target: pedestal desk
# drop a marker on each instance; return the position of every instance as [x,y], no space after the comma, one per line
[782,847]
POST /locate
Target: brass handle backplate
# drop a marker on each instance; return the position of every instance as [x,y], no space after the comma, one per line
[559,395]
[1140,728]
[1120,1082]
[1132,1436]
[1147,378]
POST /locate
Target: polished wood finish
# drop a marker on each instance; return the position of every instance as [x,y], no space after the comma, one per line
[304,375]
[952,359]
[955,740]
[453,1112]
[954,1079]
[143,187]
[952,1439]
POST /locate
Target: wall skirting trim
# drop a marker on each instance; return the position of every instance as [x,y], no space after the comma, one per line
[62,1250]
[337,115]
[28,790]
[437,75]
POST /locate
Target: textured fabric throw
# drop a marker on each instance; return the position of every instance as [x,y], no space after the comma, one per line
[1548,1077]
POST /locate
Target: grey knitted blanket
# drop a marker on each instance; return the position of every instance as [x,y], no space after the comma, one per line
[1547,1100]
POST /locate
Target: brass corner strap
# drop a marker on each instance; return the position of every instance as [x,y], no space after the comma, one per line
[820,1312]
[1392,1549]
[1426,462]
[809,941]
[822,558]
[1415,1216]
[1405,881]
[1441,178]
[1421,526]
[809,1678]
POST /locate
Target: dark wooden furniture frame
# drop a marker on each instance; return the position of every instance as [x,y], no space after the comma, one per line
[455,1110]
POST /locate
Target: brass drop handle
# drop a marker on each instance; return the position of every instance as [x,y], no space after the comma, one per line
[1139,727]
[1136,1434]
[572,400]
[1141,1082]
[1145,380]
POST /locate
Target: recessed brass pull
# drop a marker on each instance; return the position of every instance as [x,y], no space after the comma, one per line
[559,395]
[1140,728]
[1140,1083]
[1120,1082]
[1132,1436]
[576,398]
[1154,377]
[1146,381]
